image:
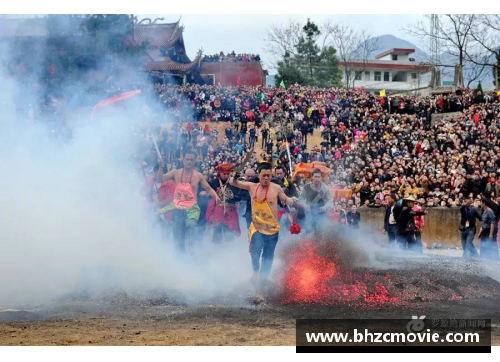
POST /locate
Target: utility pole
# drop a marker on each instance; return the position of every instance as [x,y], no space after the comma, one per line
[434,49]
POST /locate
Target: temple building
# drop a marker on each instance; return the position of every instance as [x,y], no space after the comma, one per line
[56,43]
[168,61]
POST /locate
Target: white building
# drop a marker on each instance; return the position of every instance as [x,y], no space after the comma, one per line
[393,70]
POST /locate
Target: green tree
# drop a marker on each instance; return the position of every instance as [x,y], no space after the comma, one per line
[479,88]
[328,72]
[289,72]
[308,51]
[310,64]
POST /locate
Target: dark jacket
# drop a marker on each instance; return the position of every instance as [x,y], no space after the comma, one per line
[396,211]
[233,193]
[475,186]
[353,219]
[406,222]
[473,215]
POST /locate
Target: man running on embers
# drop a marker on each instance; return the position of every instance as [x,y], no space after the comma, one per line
[185,209]
[264,229]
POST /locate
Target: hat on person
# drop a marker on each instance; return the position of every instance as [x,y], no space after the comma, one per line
[409,198]
[225,168]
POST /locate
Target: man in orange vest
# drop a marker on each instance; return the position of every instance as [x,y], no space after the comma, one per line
[185,209]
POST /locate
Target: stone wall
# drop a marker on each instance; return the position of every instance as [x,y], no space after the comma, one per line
[441,225]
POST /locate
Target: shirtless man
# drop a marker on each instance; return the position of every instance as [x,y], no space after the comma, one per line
[185,209]
[264,229]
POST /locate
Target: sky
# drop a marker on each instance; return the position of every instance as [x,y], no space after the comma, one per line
[245,33]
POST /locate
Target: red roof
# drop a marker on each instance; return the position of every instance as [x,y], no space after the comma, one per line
[415,67]
[395,50]
[171,66]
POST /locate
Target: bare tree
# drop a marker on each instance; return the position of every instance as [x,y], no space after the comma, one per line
[486,48]
[474,73]
[282,39]
[354,48]
[454,33]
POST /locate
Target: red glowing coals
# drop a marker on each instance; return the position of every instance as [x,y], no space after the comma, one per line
[329,272]
[317,277]
[308,275]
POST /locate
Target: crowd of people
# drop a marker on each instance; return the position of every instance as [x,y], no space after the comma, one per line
[232,57]
[371,147]
[385,151]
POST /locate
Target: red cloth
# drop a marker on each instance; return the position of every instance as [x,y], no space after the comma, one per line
[118,98]
[477,118]
[250,116]
[419,220]
[215,216]
[334,216]
[166,192]
[166,196]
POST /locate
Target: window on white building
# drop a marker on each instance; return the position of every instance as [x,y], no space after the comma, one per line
[357,75]
[394,57]
[367,75]
[377,76]
[413,75]
[386,77]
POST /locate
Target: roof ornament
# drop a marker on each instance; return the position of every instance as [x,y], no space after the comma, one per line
[142,22]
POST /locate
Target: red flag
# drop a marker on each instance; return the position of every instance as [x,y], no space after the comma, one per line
[238,82]
[118,98]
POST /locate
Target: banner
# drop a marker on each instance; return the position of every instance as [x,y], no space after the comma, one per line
[116,99]
[305,170]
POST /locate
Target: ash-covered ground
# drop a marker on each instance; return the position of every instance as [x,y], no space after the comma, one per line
[434,286]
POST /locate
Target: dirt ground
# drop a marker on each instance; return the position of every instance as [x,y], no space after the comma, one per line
[162,318]
[85,323]
[100,331]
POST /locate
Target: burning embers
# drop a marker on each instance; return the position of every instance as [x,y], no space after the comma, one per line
[308,276]
[322,273]
[314,276]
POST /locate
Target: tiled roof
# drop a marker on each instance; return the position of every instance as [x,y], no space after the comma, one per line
[158,35]
[171,66]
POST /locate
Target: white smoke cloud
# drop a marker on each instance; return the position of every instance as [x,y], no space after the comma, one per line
[73,218]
